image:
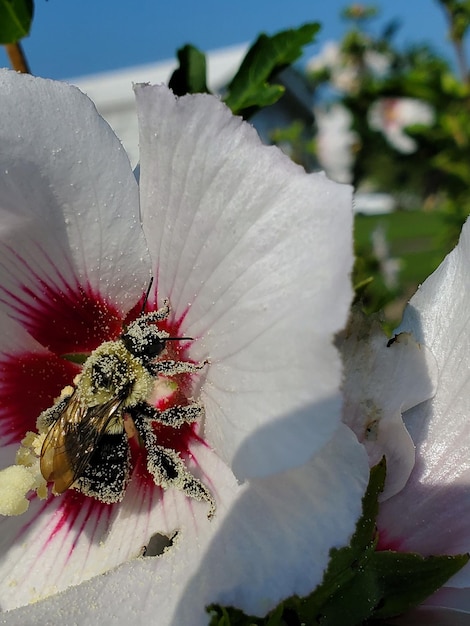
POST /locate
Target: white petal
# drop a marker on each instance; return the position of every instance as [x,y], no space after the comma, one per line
[277,538]
[272,541]
[458,599]
[431,514]
[382,380]
[410,111]
[255,255]
[436,616]
[15,340]
[402,142]
[68,199]
[71,538]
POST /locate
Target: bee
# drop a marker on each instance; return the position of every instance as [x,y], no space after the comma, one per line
[86,444]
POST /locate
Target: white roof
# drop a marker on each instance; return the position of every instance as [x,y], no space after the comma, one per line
[114,98]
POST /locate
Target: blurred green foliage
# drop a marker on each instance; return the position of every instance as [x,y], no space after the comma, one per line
[407,115]
[254,85]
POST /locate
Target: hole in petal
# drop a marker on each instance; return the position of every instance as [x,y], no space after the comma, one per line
[158,543]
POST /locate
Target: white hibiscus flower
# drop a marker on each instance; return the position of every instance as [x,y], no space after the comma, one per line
[335,142]
[410,400]
[435,502]
[254,257]
[392,116]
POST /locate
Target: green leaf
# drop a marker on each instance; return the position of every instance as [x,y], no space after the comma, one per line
[361,286]
[349,591]
[190,76]
[366,529]
[408,579]
[250,89]
[228,616]
[15,19]
[360,584]
[76,357]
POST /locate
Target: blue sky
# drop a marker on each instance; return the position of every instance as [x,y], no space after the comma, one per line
[72,38]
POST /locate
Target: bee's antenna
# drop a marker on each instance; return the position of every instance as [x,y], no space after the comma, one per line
[179,338]
[146,297]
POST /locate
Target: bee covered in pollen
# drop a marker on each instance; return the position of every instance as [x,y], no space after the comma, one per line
[86,443]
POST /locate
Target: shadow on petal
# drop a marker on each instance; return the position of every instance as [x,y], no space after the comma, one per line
[290,440]
[275,540]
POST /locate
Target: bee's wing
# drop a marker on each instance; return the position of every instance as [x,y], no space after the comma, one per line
[73,438]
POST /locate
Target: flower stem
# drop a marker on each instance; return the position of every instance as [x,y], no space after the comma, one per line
[17,57]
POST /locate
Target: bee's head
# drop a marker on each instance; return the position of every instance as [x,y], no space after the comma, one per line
[144,340]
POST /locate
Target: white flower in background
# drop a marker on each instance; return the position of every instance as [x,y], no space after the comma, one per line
[389,266]
[327,58]
[343,75]
[430,515]
[344,69]
[426,504]
[335,142]
[254,257]
[392,116]
[378,63]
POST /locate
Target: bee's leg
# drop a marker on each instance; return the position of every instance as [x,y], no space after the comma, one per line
[157,316]
[107,473]
[167,467]
[175,416]
[52,414]
[154,316]
[170,368]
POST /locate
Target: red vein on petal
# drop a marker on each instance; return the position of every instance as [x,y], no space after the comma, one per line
[67,321]
[387,543]
[76,514]
[29,383]
[25,527]
[22,272]
[63,317]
